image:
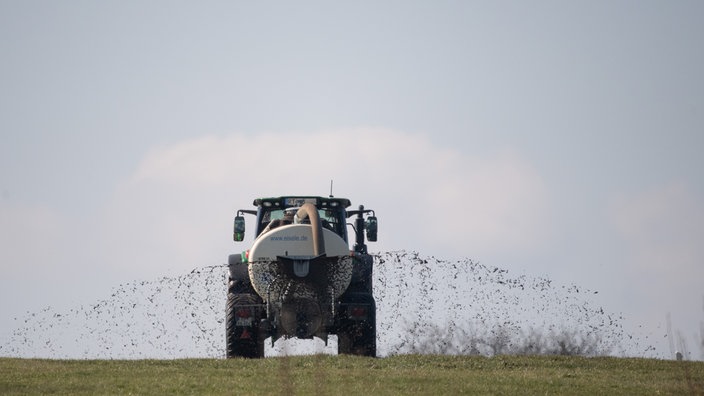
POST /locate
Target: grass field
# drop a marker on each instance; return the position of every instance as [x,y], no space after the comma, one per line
[337,375]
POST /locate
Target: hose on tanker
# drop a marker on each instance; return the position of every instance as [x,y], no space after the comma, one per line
[309,211]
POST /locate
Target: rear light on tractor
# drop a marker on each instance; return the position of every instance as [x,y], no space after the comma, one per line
[245,317]
[358,313]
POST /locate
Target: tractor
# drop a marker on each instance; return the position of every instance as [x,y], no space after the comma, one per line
[300,279]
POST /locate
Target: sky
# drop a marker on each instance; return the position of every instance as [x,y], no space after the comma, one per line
[549,138]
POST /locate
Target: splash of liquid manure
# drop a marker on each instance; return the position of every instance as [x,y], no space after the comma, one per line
[424,305]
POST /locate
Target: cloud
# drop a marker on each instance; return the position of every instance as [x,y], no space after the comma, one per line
[178,206]
[174,213]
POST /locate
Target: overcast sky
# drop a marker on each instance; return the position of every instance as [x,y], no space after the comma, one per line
[550,138]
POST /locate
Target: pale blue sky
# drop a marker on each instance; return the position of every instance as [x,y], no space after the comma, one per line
[571,129]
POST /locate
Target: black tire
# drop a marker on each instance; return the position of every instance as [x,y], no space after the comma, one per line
[357,339]
[238,275]
[362,274]
[243,341]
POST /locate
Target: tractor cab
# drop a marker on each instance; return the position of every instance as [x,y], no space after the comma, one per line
[274,212]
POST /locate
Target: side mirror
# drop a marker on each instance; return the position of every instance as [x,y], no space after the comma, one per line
[238,234]
[371,226]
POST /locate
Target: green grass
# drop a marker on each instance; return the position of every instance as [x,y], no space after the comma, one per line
[336,375]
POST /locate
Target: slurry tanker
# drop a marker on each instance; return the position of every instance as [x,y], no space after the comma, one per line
[300,278]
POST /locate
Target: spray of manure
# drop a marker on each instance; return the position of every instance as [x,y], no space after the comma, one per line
[424,305]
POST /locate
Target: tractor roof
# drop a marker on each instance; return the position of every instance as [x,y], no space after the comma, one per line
[298,200]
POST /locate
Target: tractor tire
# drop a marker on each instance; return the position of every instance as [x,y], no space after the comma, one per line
[357,339]
[238,275]
[356,335]
[245,341]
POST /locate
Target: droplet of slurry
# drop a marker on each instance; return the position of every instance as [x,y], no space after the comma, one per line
[424,305]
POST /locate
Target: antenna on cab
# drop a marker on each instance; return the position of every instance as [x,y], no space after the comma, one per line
[331,188]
